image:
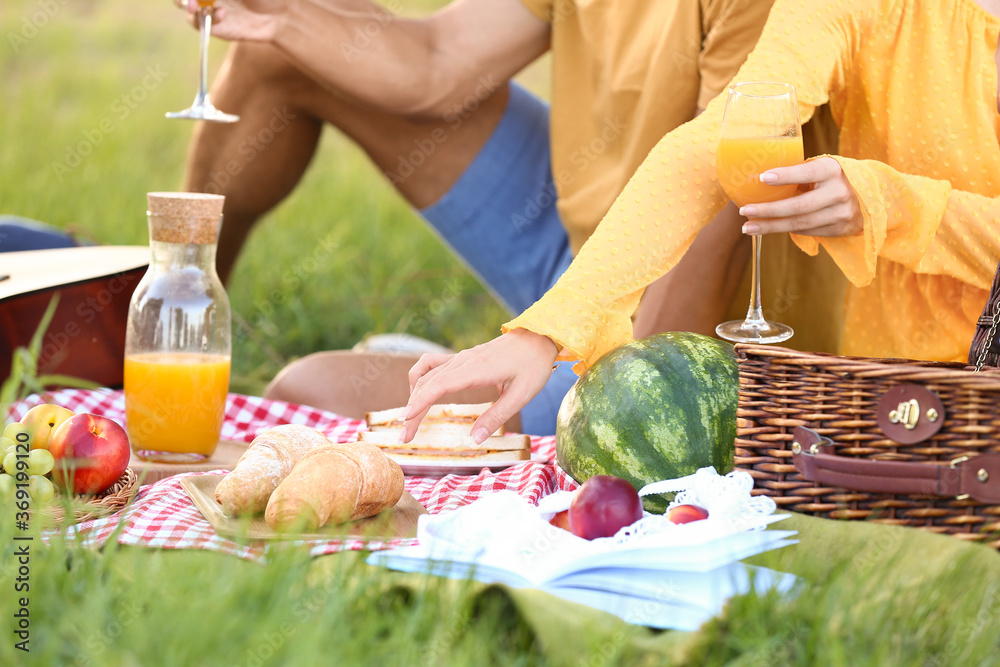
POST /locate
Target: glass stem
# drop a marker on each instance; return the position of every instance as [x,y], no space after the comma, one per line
[755,315]
[204,34]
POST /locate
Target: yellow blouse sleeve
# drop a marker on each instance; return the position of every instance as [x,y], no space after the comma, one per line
[541,8]
[932,228]
[674,193]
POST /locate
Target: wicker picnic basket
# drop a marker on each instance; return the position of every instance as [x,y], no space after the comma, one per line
[887,440]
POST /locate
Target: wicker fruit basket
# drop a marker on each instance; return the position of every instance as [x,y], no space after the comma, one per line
[84,508]
[934,414]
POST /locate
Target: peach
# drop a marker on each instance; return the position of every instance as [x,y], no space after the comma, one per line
[42,421]
[602,506]
[91,452]
[686,513]
[561,520]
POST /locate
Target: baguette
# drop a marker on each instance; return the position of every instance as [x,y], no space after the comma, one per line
[335,483]
[268,460]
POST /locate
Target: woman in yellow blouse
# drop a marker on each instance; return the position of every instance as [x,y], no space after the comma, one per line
[908,208]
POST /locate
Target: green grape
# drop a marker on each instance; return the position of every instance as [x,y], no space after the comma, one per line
[13,429]
[40,462]
[40,489]
[6,446]
[7,485]
[10,463]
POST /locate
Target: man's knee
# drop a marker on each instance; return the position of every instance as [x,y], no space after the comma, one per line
[254,64]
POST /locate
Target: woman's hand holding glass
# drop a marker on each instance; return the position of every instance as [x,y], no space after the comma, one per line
[826,204]
[517,363]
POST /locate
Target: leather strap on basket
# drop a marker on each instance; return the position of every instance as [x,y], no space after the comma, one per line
[976,476]
[985,348]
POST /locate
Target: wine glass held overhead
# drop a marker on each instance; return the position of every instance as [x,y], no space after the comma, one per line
[759,165]
[202,108]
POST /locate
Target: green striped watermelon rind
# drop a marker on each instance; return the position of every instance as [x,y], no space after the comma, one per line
[656,408]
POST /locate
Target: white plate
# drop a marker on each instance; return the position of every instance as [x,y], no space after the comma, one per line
[455,467]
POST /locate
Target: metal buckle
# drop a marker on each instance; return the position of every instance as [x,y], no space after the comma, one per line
[953,464]
[797,448]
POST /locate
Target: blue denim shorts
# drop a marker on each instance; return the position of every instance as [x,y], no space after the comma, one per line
[500,218]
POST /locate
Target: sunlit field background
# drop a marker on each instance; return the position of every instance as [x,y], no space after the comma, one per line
[83,139]
[85,84]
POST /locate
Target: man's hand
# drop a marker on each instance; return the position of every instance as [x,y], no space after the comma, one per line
[825,206]
[243,20]
[518,364]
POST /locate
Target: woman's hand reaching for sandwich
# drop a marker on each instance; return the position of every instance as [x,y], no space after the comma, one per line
[517,363]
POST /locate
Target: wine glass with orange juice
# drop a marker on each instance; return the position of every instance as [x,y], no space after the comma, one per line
[760,131]
[202,108]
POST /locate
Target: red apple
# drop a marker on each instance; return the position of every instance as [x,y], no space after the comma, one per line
[602,506]
[686,513]
[561,520]
[91,453]
[42,421]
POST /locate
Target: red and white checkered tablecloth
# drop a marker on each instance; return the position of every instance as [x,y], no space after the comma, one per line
[162,514]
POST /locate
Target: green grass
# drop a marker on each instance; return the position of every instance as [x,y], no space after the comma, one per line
[84,139]
[870,595]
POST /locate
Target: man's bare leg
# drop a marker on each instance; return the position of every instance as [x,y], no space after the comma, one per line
[351,384]
[258,161]
[696,293]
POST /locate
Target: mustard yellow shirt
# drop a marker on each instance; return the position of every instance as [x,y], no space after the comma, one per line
[912,85]
[625,73]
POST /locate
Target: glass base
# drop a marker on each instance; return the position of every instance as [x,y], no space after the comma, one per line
[170,457]
[209,113]
[743,331]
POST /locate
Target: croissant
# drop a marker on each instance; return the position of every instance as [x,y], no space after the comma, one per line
[335,483]
[268,460]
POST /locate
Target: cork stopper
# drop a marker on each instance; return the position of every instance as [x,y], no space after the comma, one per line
[184,217]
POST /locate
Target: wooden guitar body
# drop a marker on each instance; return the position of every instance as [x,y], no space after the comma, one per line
[86,338]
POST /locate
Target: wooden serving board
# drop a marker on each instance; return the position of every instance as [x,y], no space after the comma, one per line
[227,453]
[396,522]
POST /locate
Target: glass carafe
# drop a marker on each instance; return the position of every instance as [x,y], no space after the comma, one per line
[178,340]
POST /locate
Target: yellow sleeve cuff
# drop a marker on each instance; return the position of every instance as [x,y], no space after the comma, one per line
[583,330]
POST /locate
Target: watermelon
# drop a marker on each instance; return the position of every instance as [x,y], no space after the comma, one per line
[657,408]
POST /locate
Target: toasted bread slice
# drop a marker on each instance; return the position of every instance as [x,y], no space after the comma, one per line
[456,413]
[472,456]
[429,429]
[510,447]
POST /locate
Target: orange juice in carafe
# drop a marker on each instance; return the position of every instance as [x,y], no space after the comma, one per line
[178,338]
[175,403]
